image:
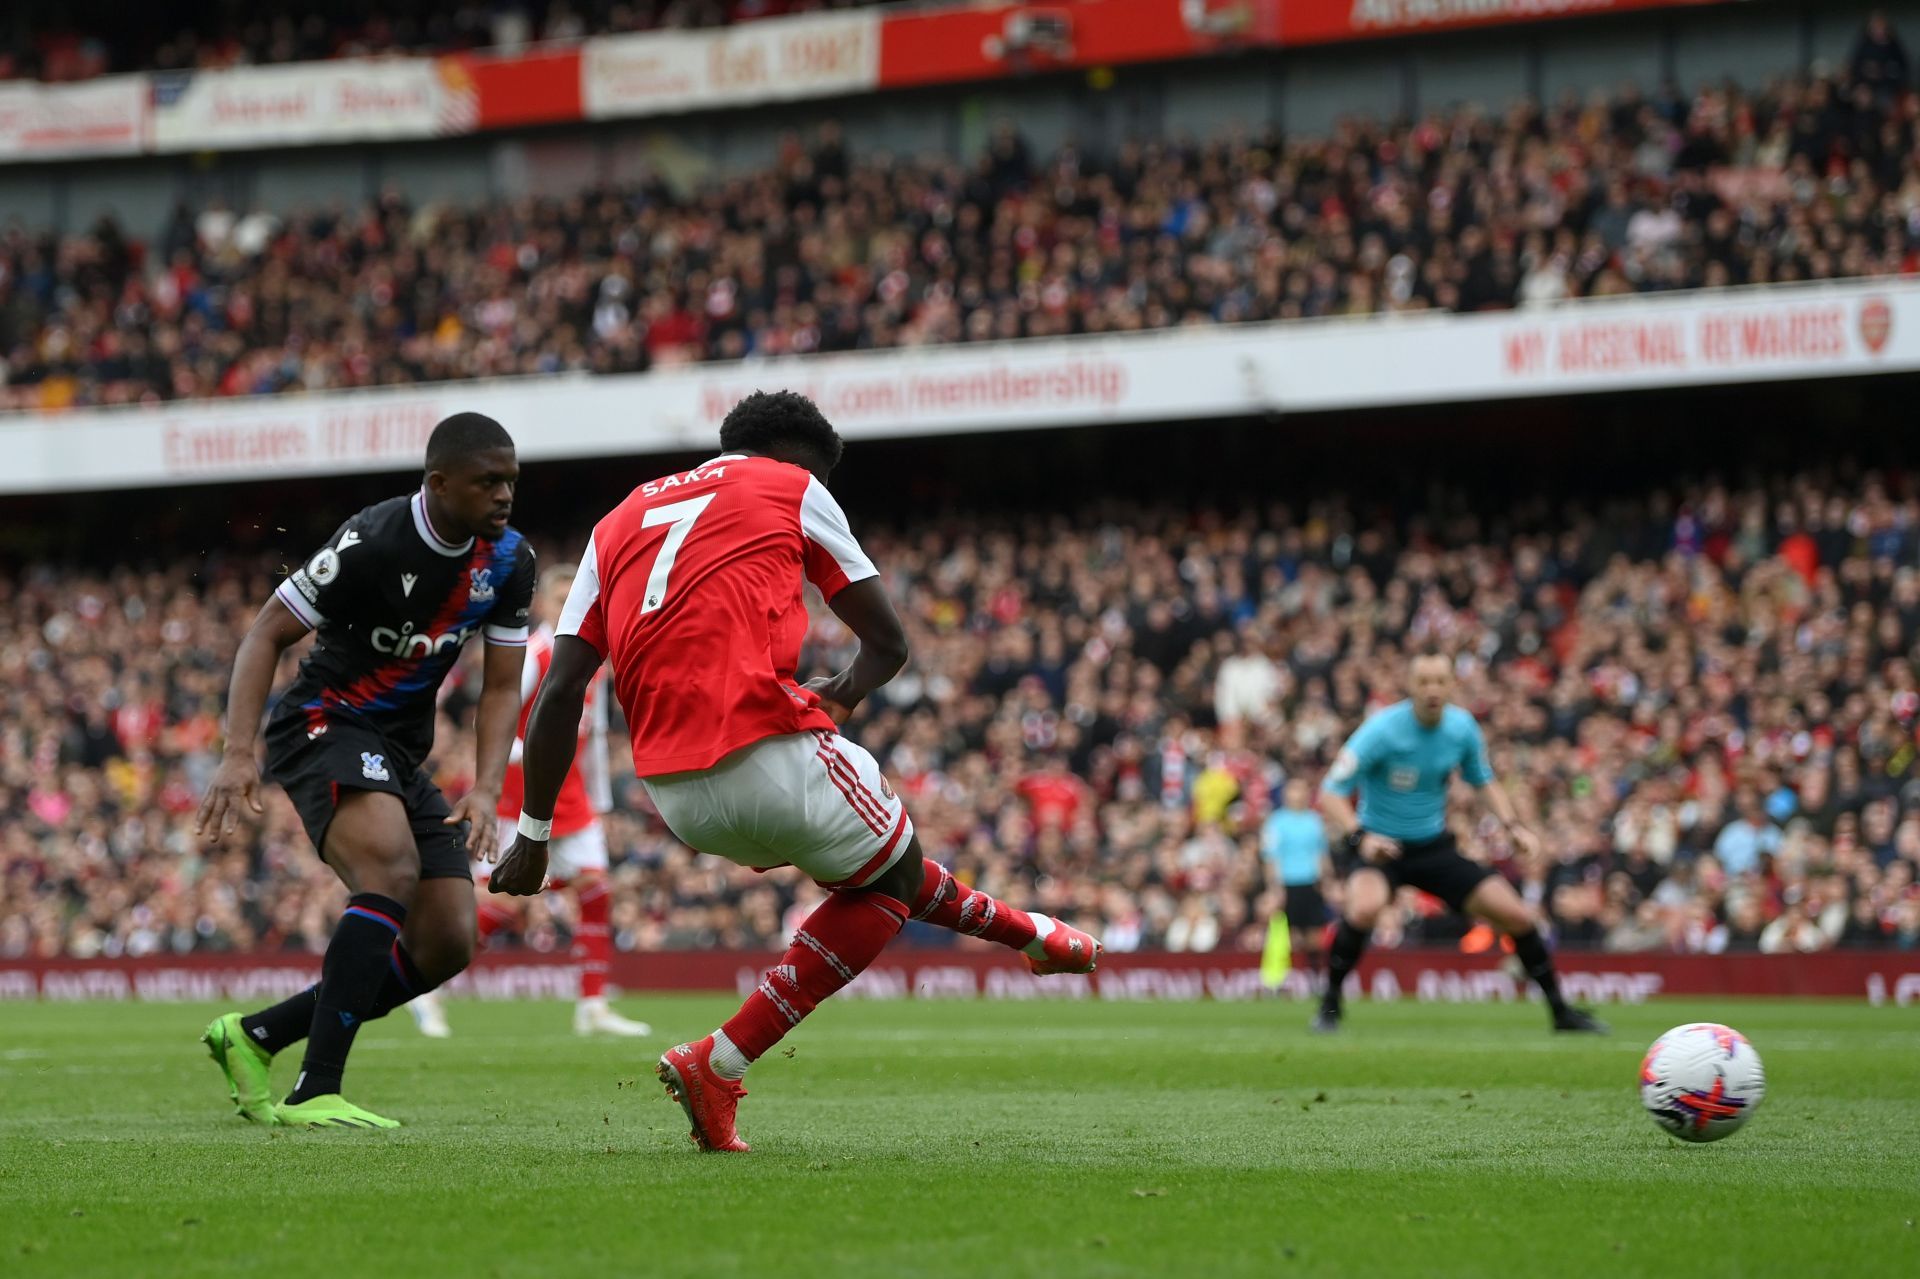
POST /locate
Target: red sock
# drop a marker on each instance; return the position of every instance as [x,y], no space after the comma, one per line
[945,901]
[493,918]
[591,944]
[835,944]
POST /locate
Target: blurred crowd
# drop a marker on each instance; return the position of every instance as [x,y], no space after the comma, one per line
[43,40]
[1704,700]
[1812,178]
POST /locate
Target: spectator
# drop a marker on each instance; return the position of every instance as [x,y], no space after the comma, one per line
[1792,933]
[1248,686]
[1746,924]
[1879,60]
[1741,841]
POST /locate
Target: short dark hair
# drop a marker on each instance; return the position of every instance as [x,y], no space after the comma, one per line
[461,436]
[780,421]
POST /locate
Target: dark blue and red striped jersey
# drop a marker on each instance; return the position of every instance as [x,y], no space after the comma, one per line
[393,603]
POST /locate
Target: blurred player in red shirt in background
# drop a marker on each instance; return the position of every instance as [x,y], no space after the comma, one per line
[578,851]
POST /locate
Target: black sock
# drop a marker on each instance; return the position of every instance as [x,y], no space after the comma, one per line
[1349,943]
[404,982]
[350,979]
[287,1022]
[1533,956]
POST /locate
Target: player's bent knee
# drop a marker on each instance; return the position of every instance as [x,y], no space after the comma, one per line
[1367,896]
[442,956]
[1363,910]
[1515,923]
[901,881]
[1497,903]
[444,950]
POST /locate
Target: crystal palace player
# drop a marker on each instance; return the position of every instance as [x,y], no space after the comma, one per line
[1400,760]
[578,850]
[692,587]
[394,595]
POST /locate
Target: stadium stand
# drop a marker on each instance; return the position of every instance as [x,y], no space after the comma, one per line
[1816,178]
[1708,697]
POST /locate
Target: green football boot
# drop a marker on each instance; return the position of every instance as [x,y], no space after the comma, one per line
[330,1110]
[244,1063]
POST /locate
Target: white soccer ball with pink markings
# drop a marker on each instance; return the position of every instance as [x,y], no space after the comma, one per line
[1701,1081]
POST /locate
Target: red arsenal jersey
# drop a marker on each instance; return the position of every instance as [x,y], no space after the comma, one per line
[584,793]
[691,588]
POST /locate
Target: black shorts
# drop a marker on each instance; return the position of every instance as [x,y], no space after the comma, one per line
[315,769]
[1435,866]
[1306,907]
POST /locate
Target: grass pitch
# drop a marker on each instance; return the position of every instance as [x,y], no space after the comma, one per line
[977,1139]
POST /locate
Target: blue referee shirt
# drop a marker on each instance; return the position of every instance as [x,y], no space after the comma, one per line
[1294,841]
[1401,767]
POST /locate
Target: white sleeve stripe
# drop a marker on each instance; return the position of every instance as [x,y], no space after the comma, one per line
[581,595]
[299,607]
[823,523]
[507,636]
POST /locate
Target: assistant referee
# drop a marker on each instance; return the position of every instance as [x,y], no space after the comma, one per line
[1400,761]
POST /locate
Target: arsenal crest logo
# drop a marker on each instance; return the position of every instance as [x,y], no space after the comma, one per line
[1876,324]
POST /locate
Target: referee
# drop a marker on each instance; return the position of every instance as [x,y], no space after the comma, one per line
[1400,760]
[1294,842]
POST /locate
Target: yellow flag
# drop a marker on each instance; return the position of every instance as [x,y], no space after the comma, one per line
[1277,959]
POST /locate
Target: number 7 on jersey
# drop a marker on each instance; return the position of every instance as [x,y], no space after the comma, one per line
[681,516]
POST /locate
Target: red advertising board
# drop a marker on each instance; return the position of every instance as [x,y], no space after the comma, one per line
[992,41]
[538,87]
[1327,21]
[1880,977]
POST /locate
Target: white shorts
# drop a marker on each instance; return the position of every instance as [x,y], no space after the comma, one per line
[567,855]
[812,800]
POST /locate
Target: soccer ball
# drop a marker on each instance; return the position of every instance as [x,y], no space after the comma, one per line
[1701,1081]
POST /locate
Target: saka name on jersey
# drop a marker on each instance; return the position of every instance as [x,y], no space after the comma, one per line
[393,602]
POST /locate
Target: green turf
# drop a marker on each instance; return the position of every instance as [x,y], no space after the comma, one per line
[972,1139]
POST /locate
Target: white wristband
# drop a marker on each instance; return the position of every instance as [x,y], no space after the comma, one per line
[534,828]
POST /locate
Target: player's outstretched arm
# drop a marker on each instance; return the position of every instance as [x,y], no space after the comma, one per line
[868,613]
[553,733]
[495,720]
[273,632]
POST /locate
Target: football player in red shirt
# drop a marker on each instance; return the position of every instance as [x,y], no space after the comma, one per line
[578,851]
[692,589]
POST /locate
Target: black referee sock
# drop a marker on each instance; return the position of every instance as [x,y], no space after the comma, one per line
[1349,943]
[1533,956]
[355,968]
[285,1023]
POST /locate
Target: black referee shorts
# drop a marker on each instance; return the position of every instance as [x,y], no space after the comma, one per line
[1306,908]
[1435,866]
[314,769]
